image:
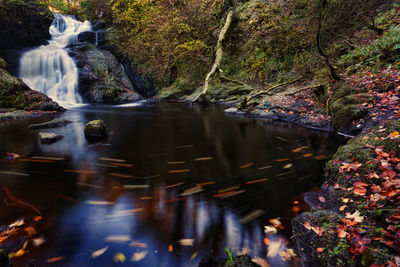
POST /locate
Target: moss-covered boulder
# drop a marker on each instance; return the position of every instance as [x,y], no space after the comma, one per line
[95,130]
[15,94]
[348,110]
[24,23]
[101,78]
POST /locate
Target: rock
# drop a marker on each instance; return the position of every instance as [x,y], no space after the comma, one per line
[24,23]
[17,95]
[49,138]
[101,78]
[87,37]
[95,130]
[4,259]
[234,111]
[143,85]
[50,124]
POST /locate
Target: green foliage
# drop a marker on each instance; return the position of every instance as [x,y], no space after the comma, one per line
[383,50]
[164,37]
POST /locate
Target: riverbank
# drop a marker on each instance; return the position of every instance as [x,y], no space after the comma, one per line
[23,114]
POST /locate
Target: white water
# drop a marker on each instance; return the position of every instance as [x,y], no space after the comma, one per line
[49,69]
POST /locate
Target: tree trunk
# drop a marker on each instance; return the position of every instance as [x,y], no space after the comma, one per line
[218,55]
[318,37]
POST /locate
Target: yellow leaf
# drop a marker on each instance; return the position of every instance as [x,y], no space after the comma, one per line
[119,257]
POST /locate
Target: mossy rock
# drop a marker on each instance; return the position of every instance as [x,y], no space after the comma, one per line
[95,130]
[335,249]
[15,94]
[346,108]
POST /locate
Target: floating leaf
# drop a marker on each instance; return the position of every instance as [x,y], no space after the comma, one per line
[194,256]
[138,256]
[119,257]
[186,242]
[117,238]
[51,260]
[37,242]
[99,252]
[246,166]
[288,166]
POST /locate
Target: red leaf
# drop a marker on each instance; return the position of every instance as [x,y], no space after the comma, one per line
[361,191]
[322,199]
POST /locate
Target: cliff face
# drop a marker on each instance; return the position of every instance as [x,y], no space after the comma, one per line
[23,23]
[101,77]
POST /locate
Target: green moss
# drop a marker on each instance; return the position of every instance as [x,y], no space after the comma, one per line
[95,129]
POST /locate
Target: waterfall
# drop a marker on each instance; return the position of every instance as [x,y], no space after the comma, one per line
[48,68]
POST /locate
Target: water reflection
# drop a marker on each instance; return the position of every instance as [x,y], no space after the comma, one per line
[170,186]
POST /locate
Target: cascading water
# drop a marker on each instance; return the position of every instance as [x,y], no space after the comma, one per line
[48,68]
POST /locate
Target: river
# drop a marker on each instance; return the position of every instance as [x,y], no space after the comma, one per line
[171,185]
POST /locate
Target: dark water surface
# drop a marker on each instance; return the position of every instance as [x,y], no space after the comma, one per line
[140,206]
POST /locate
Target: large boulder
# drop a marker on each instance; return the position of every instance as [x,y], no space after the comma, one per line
[24,23]
[101,77]
[15,94]
[95,130]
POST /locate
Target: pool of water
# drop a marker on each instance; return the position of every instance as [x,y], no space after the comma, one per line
[171,185]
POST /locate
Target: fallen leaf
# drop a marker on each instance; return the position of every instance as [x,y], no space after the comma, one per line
[355,216]
[322,199]
[117,238]
[307,225]
[99,252]
[288,166]
[138,256]
[119,257]
[270,230]
[320,249]
[342,233]
[51,260]
[194,256]
[186,242]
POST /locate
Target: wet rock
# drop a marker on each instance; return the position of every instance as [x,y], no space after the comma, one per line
[234,111]
[101,78]
[4,259]
[95,130]
[143,85]
[49,138]
[50,124]
[15,94]
[87,37]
